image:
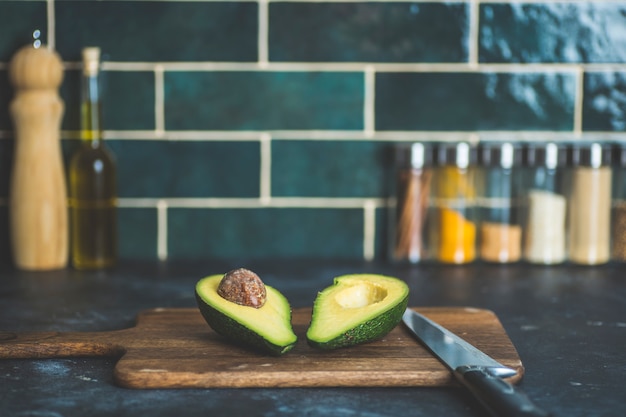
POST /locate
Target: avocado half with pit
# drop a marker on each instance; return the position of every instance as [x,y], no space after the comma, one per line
[357,309]
[267,329]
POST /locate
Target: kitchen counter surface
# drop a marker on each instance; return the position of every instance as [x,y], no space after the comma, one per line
[568,324]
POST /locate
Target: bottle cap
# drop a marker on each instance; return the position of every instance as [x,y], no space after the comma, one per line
[592,154]
[91,60]
[550,155]
[415,155]
[500,154]
[461,154]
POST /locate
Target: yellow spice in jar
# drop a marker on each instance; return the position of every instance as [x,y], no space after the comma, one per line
[457,238]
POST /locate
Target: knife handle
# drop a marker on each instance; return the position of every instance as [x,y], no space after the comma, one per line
[500,397]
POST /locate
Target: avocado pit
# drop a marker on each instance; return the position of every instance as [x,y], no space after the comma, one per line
[243,287]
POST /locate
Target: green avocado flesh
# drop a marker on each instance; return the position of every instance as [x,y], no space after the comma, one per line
[267,329]
[357,309]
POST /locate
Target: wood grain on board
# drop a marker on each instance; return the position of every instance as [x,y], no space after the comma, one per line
[175,348]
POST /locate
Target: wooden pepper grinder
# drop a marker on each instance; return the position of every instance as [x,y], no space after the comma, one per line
[38,194]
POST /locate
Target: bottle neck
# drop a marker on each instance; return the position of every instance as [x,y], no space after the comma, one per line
[91,129]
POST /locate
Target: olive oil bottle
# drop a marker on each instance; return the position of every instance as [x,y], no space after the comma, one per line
[92,180]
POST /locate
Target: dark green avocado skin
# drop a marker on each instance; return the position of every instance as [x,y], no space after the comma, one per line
[368,331]
[238,333]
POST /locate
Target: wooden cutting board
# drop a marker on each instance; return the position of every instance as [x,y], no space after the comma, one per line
[175,348]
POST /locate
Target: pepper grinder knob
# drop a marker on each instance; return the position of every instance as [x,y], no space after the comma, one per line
[35,69]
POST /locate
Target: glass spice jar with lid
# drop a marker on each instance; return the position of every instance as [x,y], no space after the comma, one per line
[500,230]
[414,172]
[589,204]
[545,203]
[452,229]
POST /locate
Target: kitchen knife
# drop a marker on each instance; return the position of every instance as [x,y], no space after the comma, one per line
[478,372]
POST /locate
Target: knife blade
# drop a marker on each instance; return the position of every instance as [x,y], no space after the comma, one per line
[474,369]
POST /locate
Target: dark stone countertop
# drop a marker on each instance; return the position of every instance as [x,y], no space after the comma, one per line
[568,324]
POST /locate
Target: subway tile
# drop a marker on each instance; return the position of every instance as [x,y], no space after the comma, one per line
[368,32]
[265,233]
[158,30]
[186,168]
[604,101]
[137,229]
[263,100]
[576,32]
[128,100]
[18,21]
[381,241]
[306,168]
[475,101]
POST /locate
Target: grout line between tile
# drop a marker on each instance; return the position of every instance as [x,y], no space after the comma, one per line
[162,229]
[361,1]
[414,1]
[266,65]
[274,202]
[369,230]
[473,36]
[578,102]
[265,176]
[159,101]
[180,135]
[263,34]
[357,1]
[335,135]
[51,24]
[369,101]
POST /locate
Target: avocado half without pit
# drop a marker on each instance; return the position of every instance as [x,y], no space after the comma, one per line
[357,309]
[240,307]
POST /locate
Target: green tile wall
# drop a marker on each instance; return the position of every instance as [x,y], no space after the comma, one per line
[270,100]
[556,32]
[194,169]
[265,232]
[350,168]
[368,32]
[475,101]
[126,94]
[159,30]
[256,129]
[605,101]
[138,234]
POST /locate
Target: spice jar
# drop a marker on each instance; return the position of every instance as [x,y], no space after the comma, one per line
[618,213]
[545,203]
[452,231]
[589,204]
[500,218]
[413,182]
